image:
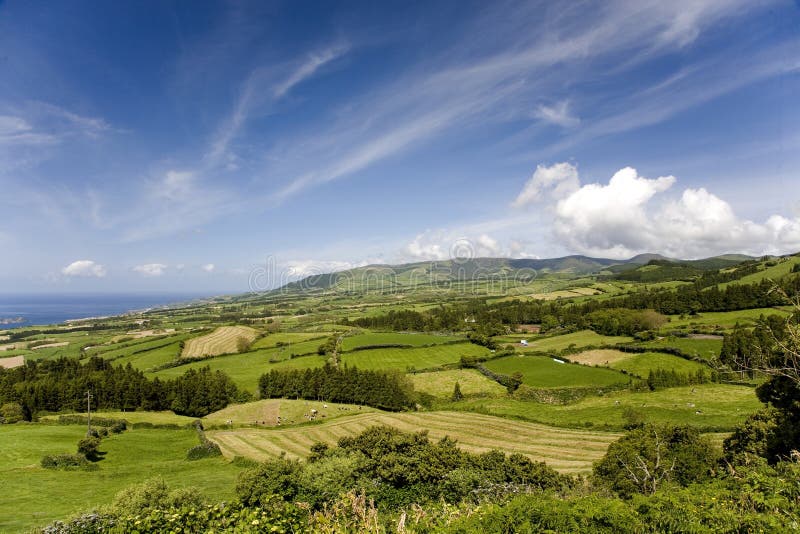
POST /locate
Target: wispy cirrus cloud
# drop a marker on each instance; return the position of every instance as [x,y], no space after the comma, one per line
[558,114]
[451,94]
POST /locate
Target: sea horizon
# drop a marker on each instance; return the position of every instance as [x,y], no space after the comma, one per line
[19,310]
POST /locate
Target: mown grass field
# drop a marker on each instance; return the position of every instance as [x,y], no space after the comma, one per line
[723,407]
[441,384]
[291,412]
[567,450]
[642,364]
[414,358]
[544,372]
[579,339]
[223,340]
[605,357]
[394,338]
[35,496]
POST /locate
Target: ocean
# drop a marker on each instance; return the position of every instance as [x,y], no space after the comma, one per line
[54,309]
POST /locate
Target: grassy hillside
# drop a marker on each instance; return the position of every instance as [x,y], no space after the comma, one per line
[34,496]
[722,407]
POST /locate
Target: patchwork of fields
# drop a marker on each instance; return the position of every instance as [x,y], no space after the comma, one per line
[580,405]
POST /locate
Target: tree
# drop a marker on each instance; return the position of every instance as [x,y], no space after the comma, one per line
[90,448]
[457,395]
[646,458]
[242,344]
[773,349]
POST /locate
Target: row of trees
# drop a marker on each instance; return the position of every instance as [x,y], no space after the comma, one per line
[386,390]
[60,385]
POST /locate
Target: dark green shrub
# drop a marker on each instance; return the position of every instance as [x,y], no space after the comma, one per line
[207,449]
[154,493]
[651,456]
[89,448]
[11,412]
[67,461]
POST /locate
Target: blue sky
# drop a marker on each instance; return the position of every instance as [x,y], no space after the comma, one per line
[190,146]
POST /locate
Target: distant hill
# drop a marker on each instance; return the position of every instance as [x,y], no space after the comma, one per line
[452,272]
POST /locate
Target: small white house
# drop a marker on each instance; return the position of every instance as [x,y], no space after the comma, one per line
[523,342]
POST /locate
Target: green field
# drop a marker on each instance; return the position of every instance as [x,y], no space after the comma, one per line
[544,372]
[35,496]
[563,449]
[285,338]
[393,338]
[414,358]
[708,349]
[774,273]
[722,320]
[722,406]
[245,369]
[156,418]
[641,364]
[583,338]
[441,383]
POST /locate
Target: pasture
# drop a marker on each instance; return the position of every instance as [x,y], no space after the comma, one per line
[246,368]
[720,320]
[641,364]
[582,338]
[441,383]
[394,338]
[544,372]
[706,348]
[35,496]
[286,338]
[266,412]
[155,418]
[223,340]
[722,407]
[571,451]
[413,358]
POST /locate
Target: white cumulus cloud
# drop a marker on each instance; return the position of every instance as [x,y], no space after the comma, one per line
[629,215]
[85,268]
[151,269]
[560,180]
